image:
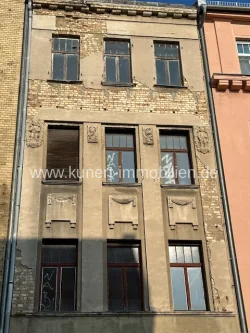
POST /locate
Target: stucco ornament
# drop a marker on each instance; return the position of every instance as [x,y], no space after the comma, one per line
[202,140]
[148,138]
[34,133]
[123,209]
[92,134]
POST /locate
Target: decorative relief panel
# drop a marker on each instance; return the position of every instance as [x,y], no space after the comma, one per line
[202,140]
[182,210]
[61,208]
[92,134]
[123,210]
[148,137]
[34,133]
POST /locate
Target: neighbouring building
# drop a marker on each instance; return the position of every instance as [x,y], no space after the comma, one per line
[227,33]
[11,26]
[116,90]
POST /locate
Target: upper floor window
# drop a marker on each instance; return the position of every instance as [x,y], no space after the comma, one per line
[120,157]
[65,59]
[187,277]
[62,153]
[175,159]
[117,62]
[244,56]
[124,277]
[58,276]
[167,62]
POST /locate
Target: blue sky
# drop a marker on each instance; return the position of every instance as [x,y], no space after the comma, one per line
[189,2]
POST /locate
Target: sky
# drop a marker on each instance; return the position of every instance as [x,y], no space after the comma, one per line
[188,2]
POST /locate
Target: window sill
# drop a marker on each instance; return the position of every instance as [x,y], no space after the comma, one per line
[112,84]
[122,184]
[165,86]
[65,81]
[177,186]
[62,182]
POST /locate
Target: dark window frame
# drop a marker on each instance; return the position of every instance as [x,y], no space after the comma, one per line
[58,266]
[124,266]
[185,266]
[188,150]
[117,57]
[65,53]
[120,150]
[166,59]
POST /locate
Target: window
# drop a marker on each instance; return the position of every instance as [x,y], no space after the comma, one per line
[65,59]
[244,56]
[187,277]
[120,157]
[124,277]
[58,276]
[167,62]
[175,159]
[63,153]
[117,62]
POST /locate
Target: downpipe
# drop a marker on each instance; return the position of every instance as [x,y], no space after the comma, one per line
[16,187]
[228,223]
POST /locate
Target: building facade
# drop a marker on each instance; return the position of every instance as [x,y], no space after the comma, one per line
[121,226]
[11,16]
[227,32]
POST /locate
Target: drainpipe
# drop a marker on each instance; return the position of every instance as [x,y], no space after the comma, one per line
[228,224]
[10,253]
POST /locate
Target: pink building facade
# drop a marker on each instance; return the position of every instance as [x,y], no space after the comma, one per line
[227,34]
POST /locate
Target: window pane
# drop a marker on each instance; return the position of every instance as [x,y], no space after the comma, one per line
[245,65]
[109,140]
[123,140]
[133,289]
[75,45]
[72,67]
[112,166]
[128,166]
[110,47]
[130,141]
[67,254]
[240,48]
[170,143]
[124,70]
[196,288]
[174,73]
[167,168]
[172,51]
[58,66]
[68,44]
[184,174]
[110,69]
[196,254]
[115,288]
[246,48]
[115,255]
[49,290]
[56,44]
[163,142]
[183,141]
[187,254]
[172,254]
[180,254]
[67,289]
[62,42]
[161,72]
[178,288]
[123,255]
[177,144]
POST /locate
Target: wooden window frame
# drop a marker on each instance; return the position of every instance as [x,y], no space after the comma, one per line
[124,266]
[174,151]
[65,53]
[117,57]
[166,60]
[120,150]
[185,266]
[59,267]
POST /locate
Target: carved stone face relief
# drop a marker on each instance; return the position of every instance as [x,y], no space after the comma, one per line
[148,137]
[92,134]
[202,140]
[123,209]
[34,133]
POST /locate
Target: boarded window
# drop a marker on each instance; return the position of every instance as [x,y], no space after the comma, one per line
[58,276]
[187,278]
[65,59]
[167,62]
[124,277]
[63,153]
[117,62]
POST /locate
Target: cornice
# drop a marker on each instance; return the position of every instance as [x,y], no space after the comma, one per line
[130,9]
[233,82]
[227,17]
